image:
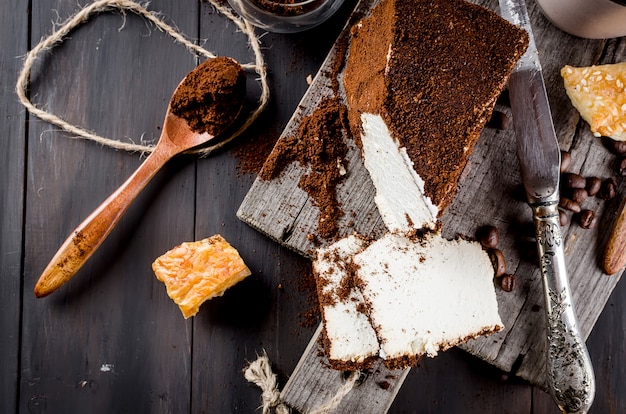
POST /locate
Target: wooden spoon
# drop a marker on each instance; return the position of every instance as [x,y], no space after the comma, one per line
[223,100]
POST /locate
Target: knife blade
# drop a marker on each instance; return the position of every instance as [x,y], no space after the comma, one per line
[570,376]
[534,129]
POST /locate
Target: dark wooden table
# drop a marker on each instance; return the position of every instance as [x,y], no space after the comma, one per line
[111,341]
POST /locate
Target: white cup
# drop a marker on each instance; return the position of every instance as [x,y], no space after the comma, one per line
[593,19]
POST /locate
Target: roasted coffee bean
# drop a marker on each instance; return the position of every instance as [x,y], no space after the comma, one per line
[563,218]
[489,237]
[587,219]
[608,189]
[507,282]
[571,180]
[622,167]
[499,120]
[593,185]
[566,160]
[578,195]
[615,147]
[498,262]
[569,204]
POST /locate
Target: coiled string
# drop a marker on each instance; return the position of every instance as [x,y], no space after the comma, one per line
[99,6]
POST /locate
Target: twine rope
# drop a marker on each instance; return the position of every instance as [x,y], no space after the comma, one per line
[124,6]
[259,372]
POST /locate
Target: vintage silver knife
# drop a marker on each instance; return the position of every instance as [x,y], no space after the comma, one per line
[570,373]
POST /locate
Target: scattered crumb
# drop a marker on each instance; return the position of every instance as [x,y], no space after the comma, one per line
[384,385]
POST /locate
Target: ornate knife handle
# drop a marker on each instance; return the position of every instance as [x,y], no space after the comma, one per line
[570,373]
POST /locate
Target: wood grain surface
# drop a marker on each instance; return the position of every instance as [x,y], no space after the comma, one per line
[111,341]
[14,36]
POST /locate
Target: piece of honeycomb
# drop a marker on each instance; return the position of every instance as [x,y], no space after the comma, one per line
[599,94]
[194,272]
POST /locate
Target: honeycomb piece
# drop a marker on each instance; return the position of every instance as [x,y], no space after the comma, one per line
[599,94]
[194,272]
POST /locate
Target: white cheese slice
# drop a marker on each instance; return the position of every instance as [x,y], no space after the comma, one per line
[407,298]
[350,335]
[427,295]
[400,196]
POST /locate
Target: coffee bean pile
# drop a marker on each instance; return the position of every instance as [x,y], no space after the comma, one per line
[489,237]
[576,189]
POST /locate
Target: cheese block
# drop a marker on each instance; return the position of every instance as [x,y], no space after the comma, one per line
[400,298]
[421,80]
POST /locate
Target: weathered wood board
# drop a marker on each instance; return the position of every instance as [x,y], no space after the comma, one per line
[488,194]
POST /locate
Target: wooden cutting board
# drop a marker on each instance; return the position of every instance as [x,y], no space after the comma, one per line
[488,194]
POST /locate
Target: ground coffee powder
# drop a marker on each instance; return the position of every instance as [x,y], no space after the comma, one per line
[211,96]
[317,144]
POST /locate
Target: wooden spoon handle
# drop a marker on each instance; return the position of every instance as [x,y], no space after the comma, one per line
[88,236]
[615,253]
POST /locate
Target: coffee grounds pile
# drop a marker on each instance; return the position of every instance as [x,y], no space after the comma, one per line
[288,8]
[210,97]
[334,111]
[318,144]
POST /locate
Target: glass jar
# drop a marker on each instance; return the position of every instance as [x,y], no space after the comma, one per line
[285,16]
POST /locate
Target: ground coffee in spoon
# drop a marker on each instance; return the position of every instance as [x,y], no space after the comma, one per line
[210,97]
